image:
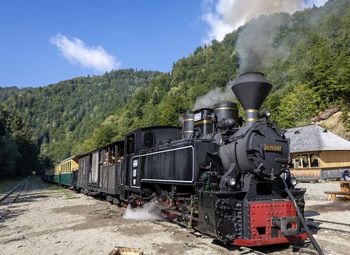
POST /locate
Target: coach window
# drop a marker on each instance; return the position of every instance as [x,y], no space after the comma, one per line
[112,155]
[109,156]
[100,157]
[148,140]
[130,144]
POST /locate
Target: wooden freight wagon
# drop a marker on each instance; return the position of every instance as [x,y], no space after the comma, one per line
[317,153]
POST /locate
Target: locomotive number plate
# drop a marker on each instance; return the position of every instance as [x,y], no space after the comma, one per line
[272,147]
[197,116]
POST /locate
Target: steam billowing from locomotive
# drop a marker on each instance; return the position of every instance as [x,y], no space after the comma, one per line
[215,96]
[257,46]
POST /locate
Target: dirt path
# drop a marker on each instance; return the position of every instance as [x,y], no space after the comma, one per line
[51,220]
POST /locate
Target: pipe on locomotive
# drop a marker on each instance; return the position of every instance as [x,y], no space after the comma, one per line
[226,114]
[251,89]
[188,126]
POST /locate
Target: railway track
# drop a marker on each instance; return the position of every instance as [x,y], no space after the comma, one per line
[292,248]
[329,225]
[11,197]
[304,249]
[250,251]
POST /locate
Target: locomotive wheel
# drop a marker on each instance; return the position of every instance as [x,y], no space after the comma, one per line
[225,228]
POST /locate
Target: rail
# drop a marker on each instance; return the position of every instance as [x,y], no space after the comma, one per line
[19,187]
[11,191]
[312,220]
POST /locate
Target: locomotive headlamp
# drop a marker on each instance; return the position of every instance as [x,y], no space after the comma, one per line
[293,181]
[264,114]
[232,182]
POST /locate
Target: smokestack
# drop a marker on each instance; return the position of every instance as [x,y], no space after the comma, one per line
[251,89]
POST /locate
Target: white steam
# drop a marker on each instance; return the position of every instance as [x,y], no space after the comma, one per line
[224,16]
[148,211]
[257,43]
[215,96]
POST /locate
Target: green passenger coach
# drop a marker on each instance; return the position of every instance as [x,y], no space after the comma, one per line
[63,172]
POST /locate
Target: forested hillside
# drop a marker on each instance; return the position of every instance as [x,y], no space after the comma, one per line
[313,74]
[18,154]
[61,114]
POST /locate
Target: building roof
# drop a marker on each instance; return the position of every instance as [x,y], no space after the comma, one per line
[315,138]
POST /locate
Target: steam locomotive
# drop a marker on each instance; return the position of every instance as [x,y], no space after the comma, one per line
[218,175]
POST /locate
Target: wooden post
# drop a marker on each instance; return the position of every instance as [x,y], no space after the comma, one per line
[345,187]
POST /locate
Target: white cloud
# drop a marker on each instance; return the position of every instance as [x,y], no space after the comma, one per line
[317,2]
[94,57]
[224,16]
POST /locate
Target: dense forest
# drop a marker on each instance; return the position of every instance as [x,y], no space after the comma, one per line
[310,73]
[18,153]
[314,76]
[62,114]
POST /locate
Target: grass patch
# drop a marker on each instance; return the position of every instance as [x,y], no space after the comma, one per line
[68,193]
[8,184]
[54,187]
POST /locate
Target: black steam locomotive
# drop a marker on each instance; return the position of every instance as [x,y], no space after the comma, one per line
[221,176]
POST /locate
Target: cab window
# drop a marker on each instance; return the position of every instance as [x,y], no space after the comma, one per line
[148,140]
[130,144]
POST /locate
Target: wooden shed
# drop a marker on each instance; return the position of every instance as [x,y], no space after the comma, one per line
[317,153]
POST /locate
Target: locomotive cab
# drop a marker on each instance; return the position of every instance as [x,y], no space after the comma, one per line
[142,142]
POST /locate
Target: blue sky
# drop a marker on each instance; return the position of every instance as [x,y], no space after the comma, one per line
[140,34]
[44,41]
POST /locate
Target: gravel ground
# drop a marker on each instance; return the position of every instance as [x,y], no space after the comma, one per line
[315,191]
[51,220]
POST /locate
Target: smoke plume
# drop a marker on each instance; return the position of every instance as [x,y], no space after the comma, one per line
[215,96]
[224,16]
[257,43]
[148,211]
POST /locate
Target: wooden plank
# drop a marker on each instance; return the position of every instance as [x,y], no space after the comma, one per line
[337,192]
[308,174]
[126,251]
[332,195]
[345,186]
